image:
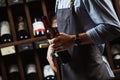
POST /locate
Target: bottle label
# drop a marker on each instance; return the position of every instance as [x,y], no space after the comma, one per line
[38,27]
[5,28]
[21,26]
[8,50]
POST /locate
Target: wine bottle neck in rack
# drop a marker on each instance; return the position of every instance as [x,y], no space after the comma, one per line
[13,73]
[115,49]
[5,28]
[48,72]
[13,68]
[38,28]
[22,32]
[31,68]
[31,72]
[21,24]
[5,32]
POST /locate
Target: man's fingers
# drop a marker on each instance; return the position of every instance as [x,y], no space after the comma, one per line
[50,58]
[52,64]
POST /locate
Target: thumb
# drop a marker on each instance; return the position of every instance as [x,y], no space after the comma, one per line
[51,59]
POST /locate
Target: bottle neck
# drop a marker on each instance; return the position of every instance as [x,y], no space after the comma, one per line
[48,71]
[31,68]
[46,21]
[21,24]
[5,28]
[13,68]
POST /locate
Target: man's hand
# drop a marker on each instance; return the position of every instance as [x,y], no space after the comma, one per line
[50,58]
[62,42]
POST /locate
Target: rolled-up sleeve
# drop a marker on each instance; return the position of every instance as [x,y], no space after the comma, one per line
[103,15]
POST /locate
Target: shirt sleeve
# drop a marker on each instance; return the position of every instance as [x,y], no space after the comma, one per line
[103,14]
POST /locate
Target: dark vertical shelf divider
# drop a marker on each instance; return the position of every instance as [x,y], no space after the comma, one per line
[3,69]
[20,66]
[12,26]
[38,64]
[44,8]
[109,55]
[29,20]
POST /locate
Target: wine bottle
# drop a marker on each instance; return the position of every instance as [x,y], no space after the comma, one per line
[48,72]
[31,72]
[38,28]
[13,73]
[22,33]
[116,55]
[52,32]
[6,36]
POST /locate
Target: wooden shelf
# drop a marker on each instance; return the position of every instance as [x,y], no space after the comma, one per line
[29,12]
[116,71]
[23,41]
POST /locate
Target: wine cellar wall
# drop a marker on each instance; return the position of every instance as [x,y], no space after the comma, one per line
[21,57]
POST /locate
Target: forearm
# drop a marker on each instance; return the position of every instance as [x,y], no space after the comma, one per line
[84,39]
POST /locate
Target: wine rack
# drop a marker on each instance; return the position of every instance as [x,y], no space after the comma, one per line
[110,44]
[29,9]
[12,53]
[111,54]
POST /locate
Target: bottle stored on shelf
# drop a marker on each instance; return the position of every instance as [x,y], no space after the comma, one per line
[22,32]
[31,72]
[38,28]
[52,32]
[116,55]
[6,36]
[13,73]
[48,72]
